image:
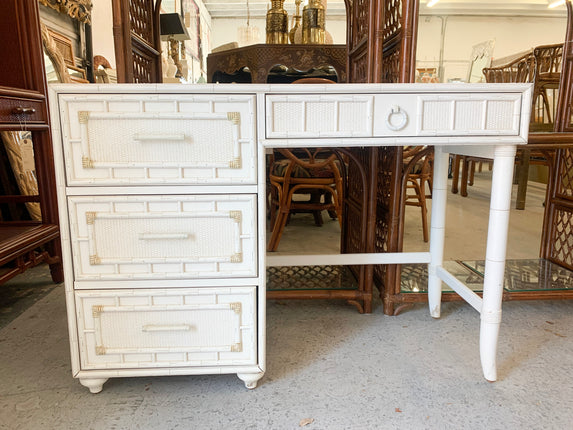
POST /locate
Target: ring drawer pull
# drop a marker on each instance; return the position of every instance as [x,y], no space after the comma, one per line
[176,137]
[403,118]
[163,236]
[23,111]
[174,327]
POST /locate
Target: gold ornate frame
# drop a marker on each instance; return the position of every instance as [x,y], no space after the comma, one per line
[76,9]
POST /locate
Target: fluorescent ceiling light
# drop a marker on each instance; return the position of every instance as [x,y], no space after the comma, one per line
[433,2]
[556,3]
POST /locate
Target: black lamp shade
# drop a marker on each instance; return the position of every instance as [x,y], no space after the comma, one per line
[172,26]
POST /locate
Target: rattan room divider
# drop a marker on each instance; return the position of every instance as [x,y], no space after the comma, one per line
[381,41]
[557,239]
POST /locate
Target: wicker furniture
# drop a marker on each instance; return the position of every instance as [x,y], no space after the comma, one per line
[542,67]
[313,172]
[164,249]
[137,41]
[23,106]
[158,188]
[418,181]
[556,242]
[378,175]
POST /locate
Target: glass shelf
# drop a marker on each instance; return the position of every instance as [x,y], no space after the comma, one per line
[520,275]
[415,277]
[530,275]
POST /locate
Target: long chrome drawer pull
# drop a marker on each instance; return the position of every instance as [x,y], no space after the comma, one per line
[164,137]
[176,327]
[163,236]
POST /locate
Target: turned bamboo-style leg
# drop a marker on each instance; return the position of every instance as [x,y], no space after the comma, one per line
[495,257]
[437,229]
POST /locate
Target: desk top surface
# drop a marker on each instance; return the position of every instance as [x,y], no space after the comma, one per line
[457,88]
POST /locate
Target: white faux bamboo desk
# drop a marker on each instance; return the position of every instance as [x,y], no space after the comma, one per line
[161,191]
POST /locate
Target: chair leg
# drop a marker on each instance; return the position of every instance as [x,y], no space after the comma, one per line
[273,215]
[472,170]
[424,209]
[317,215]
[277,231]
[316,197]
[419,189]
[333,213]
[455,173]
[464,181]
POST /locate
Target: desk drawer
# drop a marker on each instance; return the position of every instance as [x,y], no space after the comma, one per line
[144,139]
[166,328]
[20,111]
[163,237]
[292,116]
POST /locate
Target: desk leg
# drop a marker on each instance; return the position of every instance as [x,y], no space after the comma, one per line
[437,229]
[504,160]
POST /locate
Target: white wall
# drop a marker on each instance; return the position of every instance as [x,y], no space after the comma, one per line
[511,35]
[102,29]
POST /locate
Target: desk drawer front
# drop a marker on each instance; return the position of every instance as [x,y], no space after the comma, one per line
[187,140]
[22,111]
[147,237]
[315,116]
[472,114]
[392,115]
[162,328]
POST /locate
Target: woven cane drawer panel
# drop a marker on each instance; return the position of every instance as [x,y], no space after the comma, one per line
[166,328]
[343,115]
[316,115]
[468,114]
[151,237]
[144,139]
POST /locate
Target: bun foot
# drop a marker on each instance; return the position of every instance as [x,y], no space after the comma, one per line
[250,379]
[94,385]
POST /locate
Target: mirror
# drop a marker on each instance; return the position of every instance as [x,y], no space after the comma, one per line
[480,58]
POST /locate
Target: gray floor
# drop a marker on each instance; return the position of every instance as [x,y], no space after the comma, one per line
[327,365]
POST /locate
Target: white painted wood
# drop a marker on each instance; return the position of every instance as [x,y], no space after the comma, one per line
[137,139]
[153,328]
[163,190]
[162,283]
[459,287]
[291,116]
[437,229]
[194,236]
[95,385]
[348,259]
[503,163]
[142,155]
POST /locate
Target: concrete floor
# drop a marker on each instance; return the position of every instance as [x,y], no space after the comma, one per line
[328,367]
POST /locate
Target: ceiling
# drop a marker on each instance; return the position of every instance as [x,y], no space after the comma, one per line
[258,8]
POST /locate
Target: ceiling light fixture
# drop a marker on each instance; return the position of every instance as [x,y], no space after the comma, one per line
[432,3]
[247,34]
[556,4]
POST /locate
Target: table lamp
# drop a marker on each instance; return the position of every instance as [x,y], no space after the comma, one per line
[172,29]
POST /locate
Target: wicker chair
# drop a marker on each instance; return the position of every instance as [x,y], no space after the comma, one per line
[542,67]
[418,162]
[311,172]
